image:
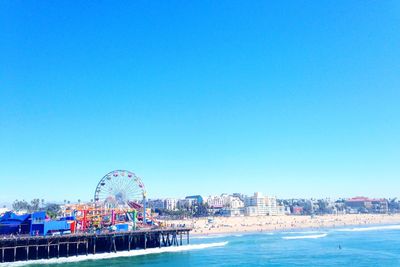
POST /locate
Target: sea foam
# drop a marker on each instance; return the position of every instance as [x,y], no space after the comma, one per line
[116,255]
[305,236]
[370,228]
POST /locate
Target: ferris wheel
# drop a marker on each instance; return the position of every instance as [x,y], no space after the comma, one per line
[120,189]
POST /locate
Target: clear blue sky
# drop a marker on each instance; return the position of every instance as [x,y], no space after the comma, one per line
[291,98]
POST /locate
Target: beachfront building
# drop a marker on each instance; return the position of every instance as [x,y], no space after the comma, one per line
[232,212]
[259,205]
[380,205]
[226,205]
[281,209]
[233,206]
[186,204]
[239,195]
[366,205]
[156,204]
[224,200]
[215,202]
[197,199]
[234,202]
[170,203]
[296,210]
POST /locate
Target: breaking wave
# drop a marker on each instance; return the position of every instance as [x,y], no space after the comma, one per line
[117,255]
[370,228]
[305,236]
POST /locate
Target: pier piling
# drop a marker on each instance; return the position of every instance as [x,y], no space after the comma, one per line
[45,247]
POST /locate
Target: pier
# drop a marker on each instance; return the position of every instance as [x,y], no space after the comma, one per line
[25,248]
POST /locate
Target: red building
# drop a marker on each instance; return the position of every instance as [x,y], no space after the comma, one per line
[367,205]
[297,210]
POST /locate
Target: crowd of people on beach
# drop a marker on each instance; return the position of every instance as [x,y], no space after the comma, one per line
[284,222]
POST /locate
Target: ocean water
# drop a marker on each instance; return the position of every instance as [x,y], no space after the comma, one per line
[357,246]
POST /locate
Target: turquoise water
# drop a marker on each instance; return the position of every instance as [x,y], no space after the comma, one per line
[371,246]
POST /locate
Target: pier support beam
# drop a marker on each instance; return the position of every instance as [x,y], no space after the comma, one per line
[47,247]
[163,240]
[174,239]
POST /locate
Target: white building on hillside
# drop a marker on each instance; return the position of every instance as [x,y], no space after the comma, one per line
[259,205]
[233,202]
[171,203]
[215,202]
[227,205]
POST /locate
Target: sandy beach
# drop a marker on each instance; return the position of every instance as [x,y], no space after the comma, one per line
[219,225]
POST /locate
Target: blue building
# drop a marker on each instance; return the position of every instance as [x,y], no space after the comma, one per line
[11,223]
[41,226]
[197,198]
[33,224]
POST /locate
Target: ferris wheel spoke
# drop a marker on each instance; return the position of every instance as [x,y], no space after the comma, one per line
[131,185]
[125,181]
[112,182]
[134,191]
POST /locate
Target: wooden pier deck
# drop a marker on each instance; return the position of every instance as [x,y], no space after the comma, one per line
[25,248]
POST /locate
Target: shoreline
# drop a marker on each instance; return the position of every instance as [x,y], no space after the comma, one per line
[262,224]
[292,230]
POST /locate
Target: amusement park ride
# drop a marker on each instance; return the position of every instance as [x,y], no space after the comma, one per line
[119,204]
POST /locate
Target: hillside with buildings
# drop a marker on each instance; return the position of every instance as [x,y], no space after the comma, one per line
[261,205]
